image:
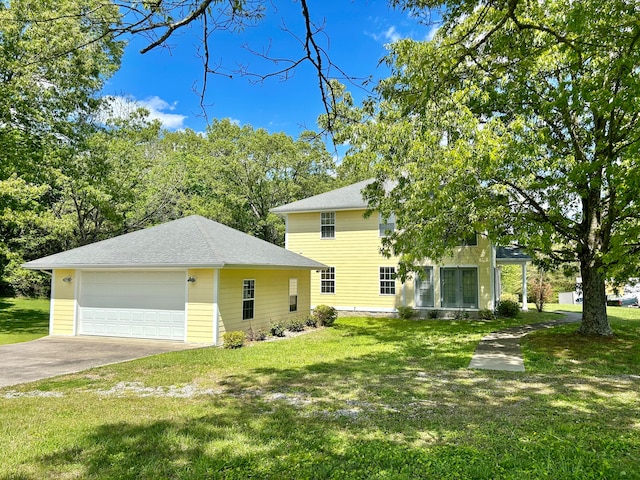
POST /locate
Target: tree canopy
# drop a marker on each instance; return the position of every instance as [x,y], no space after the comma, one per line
[519,119]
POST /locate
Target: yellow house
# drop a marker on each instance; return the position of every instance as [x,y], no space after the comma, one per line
[188,280]
[331,228]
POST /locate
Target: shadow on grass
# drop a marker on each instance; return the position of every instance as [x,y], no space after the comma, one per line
[385,414]
[24,316]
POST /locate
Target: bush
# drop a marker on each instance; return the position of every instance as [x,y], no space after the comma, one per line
[486,314]
[325,315]
[508,308]
[461,315]
[433,314]
[276,329]
[256,335]
[233,339]
[295,325]
[406,313]
[311,321]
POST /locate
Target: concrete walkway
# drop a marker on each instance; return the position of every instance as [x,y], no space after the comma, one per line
[501,350]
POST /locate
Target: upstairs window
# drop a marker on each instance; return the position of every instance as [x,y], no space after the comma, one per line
[248,298]
[328,280]
[387,280]
[327,225]
[469,241]
[386,226]
[293,294]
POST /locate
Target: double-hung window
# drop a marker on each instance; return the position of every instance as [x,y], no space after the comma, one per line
[459,287]
[293,294]
[327,224]
[387,280]
[424,288]
[328,280]
[248,299]
[386,226]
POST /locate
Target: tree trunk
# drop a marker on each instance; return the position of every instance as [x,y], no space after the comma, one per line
[594,301]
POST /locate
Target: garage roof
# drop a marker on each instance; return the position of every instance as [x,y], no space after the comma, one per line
[193,241]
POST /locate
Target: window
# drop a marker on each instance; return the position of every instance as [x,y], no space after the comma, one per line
[327,225]
[293,294]
[424,288]
[459,287]
[248,298]
[387,280]
[386,226]
[328,280]
[469,241]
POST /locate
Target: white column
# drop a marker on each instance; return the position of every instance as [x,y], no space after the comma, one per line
[525,307]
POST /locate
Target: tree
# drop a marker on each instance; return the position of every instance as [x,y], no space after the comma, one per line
[50,72]
[521,119]
[540,290]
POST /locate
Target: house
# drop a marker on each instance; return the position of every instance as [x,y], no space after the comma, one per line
[331,228]
[188,280]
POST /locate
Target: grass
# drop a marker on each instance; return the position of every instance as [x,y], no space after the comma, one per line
[370,398]
[23,319]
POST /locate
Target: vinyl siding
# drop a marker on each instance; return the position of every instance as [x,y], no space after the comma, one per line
[355,254]
[271,297]
[63,305]
[200,306]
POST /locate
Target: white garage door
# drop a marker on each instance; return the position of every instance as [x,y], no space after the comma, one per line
[133,304]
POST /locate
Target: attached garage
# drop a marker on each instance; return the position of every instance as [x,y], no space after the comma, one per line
[182,281]
[143,304]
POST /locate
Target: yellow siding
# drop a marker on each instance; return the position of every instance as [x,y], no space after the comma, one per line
[355,254]
[271,297]
[63,305]
[200,306]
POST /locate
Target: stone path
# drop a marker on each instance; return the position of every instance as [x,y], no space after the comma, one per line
[501,350]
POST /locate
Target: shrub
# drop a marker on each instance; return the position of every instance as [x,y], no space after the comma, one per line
[276,329]
[325,315]
[508,308]
[295,325]
[256,335]
[406,313]
[433,314]
[486,314]
[233,339]
[311,321]
[461,315]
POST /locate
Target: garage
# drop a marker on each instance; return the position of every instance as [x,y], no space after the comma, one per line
[136,304]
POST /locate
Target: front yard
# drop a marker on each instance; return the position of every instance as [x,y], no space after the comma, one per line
[369,398]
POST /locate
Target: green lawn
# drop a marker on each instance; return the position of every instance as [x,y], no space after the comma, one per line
[369,398]
[23,319]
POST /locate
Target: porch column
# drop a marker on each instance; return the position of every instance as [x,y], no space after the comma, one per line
[525,307]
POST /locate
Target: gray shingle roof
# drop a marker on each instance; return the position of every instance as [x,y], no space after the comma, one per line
[511,253]
[189,242]
[345,198]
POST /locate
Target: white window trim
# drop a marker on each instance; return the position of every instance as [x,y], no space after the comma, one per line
[395,286]
[390,221]
[334,225]
[296,294]
[252,298]
[334,282]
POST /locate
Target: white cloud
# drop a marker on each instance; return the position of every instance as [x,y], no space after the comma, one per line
[121,106]
[392,34]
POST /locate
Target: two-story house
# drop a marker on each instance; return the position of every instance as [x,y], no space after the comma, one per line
[331,228]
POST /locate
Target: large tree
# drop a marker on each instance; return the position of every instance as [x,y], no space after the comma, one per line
[521,119]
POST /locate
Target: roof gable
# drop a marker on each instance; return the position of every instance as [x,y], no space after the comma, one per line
[345,198]
[192,241]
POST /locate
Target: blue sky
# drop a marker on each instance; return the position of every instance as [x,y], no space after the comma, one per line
[164,80]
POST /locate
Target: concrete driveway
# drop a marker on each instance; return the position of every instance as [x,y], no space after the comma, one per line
[53,356]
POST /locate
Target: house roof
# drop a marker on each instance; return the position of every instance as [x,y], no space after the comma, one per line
[511,254]
[345,198]
[189,242]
